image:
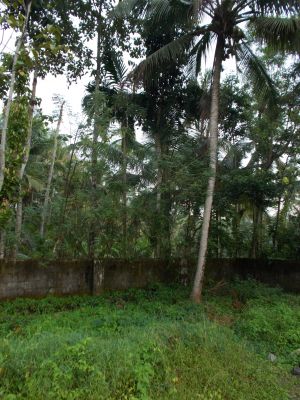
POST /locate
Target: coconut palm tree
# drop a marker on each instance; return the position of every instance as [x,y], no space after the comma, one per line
[219,24]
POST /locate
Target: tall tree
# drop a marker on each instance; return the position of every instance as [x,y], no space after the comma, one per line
[226,31]
[19,43]
[54,45]
[104,29]
[51,171]
[21,172]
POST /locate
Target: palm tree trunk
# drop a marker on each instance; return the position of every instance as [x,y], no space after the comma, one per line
[50,176]
[187,235]
[213,148]
[96,111]
[158,148]
[124,194]
[256,234]
[275,245]
[94,156]
[236,230]
[260,232]
[67,192]
[18,226]
[10,96]
[166,226]
[2,244]
[219,250]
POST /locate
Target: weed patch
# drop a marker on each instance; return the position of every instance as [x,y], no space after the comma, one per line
[156,346]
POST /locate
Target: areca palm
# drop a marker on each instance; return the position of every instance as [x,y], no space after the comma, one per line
[125,110]
[273,22]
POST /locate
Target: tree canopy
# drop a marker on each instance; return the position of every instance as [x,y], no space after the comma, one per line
[169,153]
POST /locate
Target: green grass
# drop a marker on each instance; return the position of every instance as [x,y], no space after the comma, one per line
[151,344]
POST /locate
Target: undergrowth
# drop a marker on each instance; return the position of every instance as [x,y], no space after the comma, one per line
[151,344]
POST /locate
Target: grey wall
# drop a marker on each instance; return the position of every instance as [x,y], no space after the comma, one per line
[37,279]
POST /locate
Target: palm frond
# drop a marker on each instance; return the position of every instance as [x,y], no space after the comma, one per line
[163,8]
[171,52]
[115,67]
[160,9]
[296,69]
[199,52]
[184,12]
[35,183]
[170,12]
[277,7]
[253,68]
[126,7]
[280,34]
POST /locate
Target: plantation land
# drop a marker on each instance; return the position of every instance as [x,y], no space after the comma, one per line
[152,344]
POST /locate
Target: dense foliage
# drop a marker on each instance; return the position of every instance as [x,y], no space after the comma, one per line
[131,180]
[167,153]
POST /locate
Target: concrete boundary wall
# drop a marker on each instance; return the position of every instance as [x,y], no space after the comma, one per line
[33,278]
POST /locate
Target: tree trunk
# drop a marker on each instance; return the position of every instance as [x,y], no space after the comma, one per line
[260,232]
[219,250]
[275,245]
[187,237]
[18,227]
[166,248]
[96,113]
[29,132]
[158,195]
[2,244]
[50,176]
[236,230]
[255,250]
[213,148]
[124,194]
[66,195]
[10,96]
[94,156]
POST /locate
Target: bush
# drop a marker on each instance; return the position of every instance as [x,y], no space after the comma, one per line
[272,327]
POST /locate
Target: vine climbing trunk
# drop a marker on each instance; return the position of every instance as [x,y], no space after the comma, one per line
[18,228]
[213,147]
[21,172]
[19,43]
[51,171]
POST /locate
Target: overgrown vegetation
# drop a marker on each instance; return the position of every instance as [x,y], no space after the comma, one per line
[167,153]
[130,180]
[152,344]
